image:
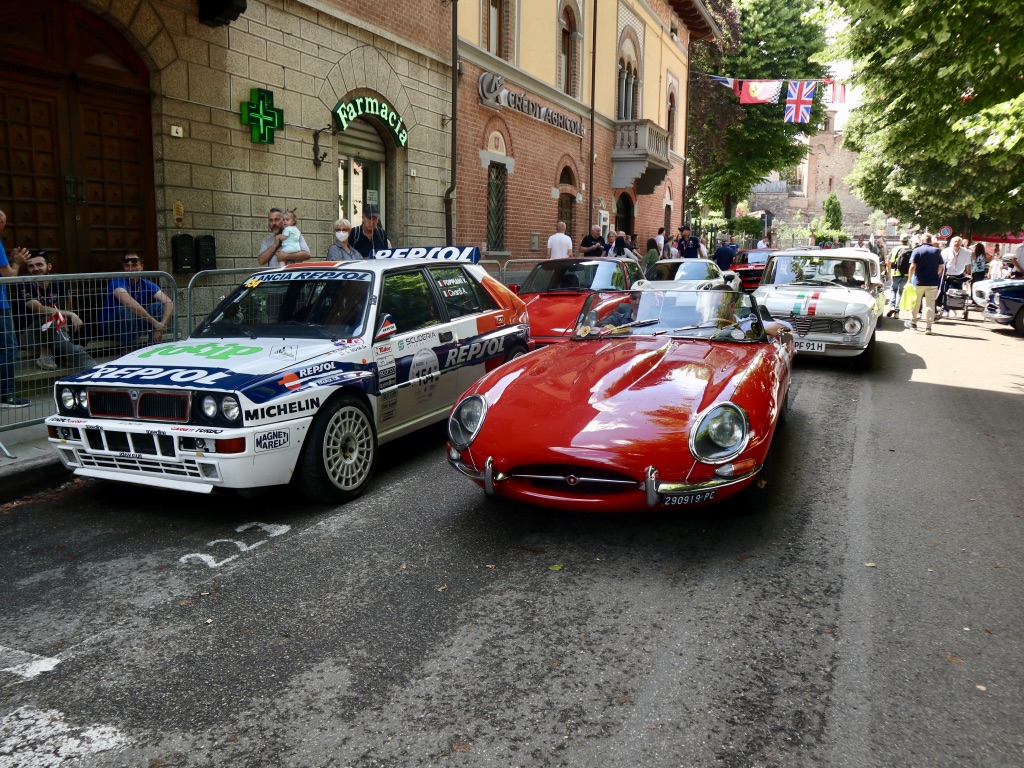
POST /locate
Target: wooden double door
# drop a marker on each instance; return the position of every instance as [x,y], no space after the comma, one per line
[76,158]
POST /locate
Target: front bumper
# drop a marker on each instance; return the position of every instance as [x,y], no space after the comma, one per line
[168,456]
[998,317]
[622,494]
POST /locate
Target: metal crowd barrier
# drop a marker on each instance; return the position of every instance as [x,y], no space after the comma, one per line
[516,270]
[47,354]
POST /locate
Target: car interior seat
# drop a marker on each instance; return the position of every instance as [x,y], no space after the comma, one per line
[569,280]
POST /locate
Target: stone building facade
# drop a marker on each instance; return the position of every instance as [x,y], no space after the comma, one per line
[122,124]
[823,171]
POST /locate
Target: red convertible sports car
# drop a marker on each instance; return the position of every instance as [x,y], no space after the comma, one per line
[749,265]
[555,290]
[662,398]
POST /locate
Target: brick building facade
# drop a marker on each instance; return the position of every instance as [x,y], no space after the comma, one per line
[525,126]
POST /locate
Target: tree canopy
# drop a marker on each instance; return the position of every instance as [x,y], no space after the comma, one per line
[733,147]
[940,131]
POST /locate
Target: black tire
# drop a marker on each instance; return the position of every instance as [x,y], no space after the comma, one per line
[517,351]
[1018,321]
[784,410]
[865,361]
[340,454]
[755,495]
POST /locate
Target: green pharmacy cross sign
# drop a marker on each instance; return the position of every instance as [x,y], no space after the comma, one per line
[260,113]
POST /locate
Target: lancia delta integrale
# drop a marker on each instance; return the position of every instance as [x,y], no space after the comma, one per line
[298,376]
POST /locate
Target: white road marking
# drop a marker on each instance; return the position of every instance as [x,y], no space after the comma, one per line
[24,664]
[33,738]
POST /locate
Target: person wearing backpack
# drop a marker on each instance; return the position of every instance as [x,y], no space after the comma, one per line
[899,266]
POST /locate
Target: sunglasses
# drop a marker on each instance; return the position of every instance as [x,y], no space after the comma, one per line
[131,261]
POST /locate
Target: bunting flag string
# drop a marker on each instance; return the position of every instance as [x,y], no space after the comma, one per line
[799,93]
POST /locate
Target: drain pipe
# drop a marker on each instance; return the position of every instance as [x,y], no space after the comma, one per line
[593,89]
[449,234]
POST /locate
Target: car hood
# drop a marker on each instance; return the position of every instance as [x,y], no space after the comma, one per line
[822,301]
[231,364]
[554,314]
[622,401]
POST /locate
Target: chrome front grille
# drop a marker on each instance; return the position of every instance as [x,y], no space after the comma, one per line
[573,479]
[111,403]
[164,406]
[149,405]
[804,324]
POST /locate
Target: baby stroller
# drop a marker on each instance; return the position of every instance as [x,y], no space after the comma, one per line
[959,300]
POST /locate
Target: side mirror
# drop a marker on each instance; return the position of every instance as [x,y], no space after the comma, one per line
[514,288]
[386,328]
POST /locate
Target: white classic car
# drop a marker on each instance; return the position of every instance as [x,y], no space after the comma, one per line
[693,274]
[832,298]
[297,376]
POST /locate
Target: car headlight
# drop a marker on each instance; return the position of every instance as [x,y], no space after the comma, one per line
[835,326]
[209,406]
[465,422]
[83,399]
[853,325]
[67,397]
[720,434]
[230,408]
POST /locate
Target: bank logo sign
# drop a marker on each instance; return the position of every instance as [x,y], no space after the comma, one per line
[346,111]
[493,93]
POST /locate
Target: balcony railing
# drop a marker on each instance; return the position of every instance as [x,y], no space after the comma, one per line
[640,138]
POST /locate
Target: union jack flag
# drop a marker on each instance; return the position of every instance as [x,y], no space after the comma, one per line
[799,100]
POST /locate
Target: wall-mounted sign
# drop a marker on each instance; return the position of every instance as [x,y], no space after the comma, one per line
[260,113]
[493,92]
[346,111]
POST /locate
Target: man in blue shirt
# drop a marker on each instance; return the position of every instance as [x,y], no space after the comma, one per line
[134,306]
[688,245]
[723,256]
[925,275]
[8,339]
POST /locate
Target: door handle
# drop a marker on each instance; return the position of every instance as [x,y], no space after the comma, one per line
[444,336]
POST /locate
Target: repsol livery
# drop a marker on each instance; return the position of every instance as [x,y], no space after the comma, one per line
[297,377]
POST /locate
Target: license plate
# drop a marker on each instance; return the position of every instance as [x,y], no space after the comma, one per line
[809,346]
[686,499]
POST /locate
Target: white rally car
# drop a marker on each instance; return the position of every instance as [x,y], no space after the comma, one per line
[832,298]
[297,376]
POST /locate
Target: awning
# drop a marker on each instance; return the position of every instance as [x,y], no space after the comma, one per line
[1006,237]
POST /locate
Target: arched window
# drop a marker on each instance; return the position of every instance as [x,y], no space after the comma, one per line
[671,120]
[566,177]
[627,93]
[567,201]
[569,44]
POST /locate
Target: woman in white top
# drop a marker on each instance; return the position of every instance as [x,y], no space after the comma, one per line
[341,249]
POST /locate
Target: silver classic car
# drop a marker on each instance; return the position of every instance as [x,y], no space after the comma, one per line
[832,298]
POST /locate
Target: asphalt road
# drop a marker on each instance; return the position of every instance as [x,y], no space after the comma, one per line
[870,617]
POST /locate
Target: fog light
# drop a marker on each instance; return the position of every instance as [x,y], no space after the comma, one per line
[454,455]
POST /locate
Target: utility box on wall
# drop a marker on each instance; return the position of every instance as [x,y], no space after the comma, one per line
[206,252]
[183,254]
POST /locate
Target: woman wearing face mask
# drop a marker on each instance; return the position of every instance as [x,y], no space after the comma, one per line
[341,250]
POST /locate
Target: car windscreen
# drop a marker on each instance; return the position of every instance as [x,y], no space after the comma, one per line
[314,304]
[572,275]
[815,270]
[682,270]
[757,257]
[718,315]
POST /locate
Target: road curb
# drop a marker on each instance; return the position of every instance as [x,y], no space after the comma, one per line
[31,475]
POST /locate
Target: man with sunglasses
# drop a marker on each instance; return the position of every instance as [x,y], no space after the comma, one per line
[134,306]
